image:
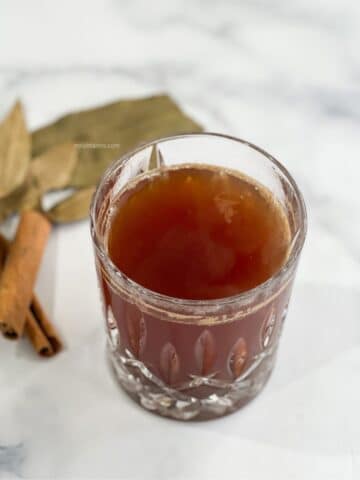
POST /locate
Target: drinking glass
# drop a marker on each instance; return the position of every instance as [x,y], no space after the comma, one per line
[194,359]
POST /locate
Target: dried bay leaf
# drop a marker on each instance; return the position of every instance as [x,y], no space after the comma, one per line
[104,134]
[156,159]
[93,162]
[31,198]
[74,208]
[10,204]
[15,147]
[53,169]
[50,171]
[74,126]
[28,196]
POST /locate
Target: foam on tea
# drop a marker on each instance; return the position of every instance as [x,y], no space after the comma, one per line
[198,232]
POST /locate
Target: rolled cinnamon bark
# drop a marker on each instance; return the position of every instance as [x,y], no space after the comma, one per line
[20,270]
[4,250]
[37,337]
[41,332]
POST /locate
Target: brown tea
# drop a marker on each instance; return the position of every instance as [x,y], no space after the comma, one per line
[206,257]
[198,232]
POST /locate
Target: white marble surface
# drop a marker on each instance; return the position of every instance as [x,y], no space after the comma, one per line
[282,74]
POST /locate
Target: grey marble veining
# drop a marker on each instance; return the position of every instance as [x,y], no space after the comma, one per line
[11,458]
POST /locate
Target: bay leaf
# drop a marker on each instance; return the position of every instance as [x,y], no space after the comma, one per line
[104,134]
[15,147]
[27,196]
[53,169]
[74,126]
[93,161]
[31,198]
[74,208]
[156,158]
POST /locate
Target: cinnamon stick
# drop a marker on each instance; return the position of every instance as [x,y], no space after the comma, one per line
[20,270]
[4,250]
[37,337]
[38,328]
[41,332]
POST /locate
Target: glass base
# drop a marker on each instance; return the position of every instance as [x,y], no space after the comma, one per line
[201,398]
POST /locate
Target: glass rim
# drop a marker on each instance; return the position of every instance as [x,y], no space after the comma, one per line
[131,285]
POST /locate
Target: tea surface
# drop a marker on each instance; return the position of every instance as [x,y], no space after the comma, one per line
[198,232]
